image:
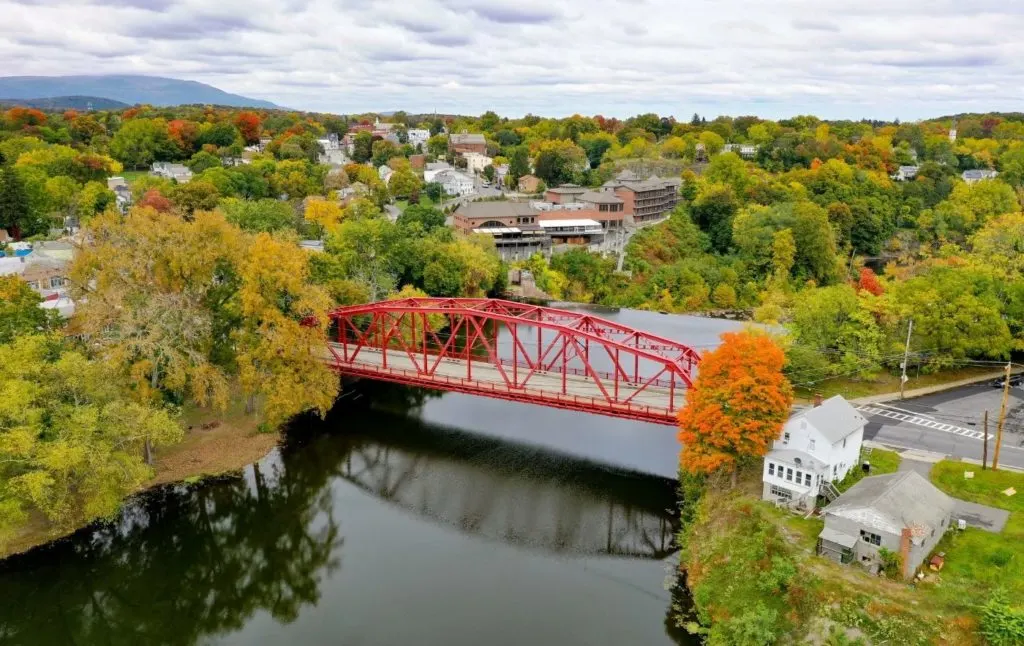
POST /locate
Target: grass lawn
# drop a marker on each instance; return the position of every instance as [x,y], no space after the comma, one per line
[884,382]
[424,201]
[979,562]
[882,461]
[131,175]
[986,487]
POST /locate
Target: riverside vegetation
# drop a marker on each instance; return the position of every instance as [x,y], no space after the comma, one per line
[752,569]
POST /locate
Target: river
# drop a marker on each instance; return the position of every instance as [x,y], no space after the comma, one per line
[405,517]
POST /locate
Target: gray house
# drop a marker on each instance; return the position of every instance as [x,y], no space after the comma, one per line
[901,512]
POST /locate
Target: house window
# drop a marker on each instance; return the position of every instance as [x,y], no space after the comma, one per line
[868,537]
[789,474]
[811,445]
[56,282]
[785,438]
[771,468]
[779,492]
[807,480]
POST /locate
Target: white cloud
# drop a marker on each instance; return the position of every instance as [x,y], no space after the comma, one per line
[843,58]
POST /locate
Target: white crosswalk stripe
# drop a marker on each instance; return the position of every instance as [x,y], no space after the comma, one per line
[922,421]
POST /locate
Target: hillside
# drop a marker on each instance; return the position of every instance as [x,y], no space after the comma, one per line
[67,103]
[129,89]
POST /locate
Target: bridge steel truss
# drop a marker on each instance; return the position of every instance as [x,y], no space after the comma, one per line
[552,357]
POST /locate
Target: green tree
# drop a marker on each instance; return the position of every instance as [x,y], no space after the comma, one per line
[425,217]
[197,195]
[70,442]
[203,160]
[713,211]
[404,183]
[20,314]
[362,147]
[560,162]
[258,216]
[729,169]
[15,211]
[437,145]
[383,150]
[519,163]
[140,142]
[833,332]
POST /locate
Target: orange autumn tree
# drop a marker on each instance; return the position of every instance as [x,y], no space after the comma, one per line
[737,405]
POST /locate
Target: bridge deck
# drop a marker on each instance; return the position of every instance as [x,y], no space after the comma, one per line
[581,392]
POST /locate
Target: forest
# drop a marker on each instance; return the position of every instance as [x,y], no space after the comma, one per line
[198,292]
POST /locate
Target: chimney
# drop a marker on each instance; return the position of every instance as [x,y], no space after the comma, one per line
[817,399]
[905,552]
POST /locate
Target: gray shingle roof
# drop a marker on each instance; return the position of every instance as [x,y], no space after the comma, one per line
[600,197]
[498,209]
[892,502]
[835,418]
[467,138]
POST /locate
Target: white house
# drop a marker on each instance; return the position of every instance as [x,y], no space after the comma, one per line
[385,172]
[431,171]
[454,182]
[178,172]
[904,173]
[418,136]
[475,162]
[818,446]
[978,174]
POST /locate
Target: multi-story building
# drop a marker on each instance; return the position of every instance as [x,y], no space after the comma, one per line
[645,200]
[513,225]
[463,142]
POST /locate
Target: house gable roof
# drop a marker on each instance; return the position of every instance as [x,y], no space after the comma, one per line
[892,502]
[835,418]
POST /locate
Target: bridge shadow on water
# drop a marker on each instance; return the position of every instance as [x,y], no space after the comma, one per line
[491,488]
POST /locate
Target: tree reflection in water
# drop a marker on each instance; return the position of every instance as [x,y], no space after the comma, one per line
[189,564]
[182,563]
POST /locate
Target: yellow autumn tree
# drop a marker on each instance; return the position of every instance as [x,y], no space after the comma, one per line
[281,340]
[325,214]
[143,284]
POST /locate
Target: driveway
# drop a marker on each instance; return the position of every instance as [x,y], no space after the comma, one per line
[981,516]
[988,518]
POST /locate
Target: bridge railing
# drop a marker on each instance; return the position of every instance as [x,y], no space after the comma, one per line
[508,363]
[459,384]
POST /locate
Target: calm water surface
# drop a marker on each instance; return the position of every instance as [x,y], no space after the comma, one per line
[406,517]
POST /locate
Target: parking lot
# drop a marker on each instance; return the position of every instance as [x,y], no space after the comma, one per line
[951,423]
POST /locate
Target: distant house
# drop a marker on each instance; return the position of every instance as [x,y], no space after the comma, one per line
[529,184]
[385,172]
[455,182]
[743,150]
[418,136]
[817,447]
[901,512]
[905,173]
[431,170]
[114,182]
[500,172]
[467,143]
[976,175]
[177,172]
[417,162]
[476,162]
[46,273]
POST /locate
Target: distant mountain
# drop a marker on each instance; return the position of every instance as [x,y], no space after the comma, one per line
[80,103]
[129,89]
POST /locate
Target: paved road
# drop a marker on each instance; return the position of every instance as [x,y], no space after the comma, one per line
[950,423]
[543,385]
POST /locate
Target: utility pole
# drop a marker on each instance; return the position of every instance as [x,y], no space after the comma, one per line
[906,354]
[1002,417]
[984,450]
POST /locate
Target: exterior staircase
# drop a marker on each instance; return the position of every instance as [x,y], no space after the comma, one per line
[828,491]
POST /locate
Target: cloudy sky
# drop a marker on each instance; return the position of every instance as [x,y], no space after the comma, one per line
[863,58]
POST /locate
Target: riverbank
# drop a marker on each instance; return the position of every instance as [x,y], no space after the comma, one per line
[752,567]
[216,442]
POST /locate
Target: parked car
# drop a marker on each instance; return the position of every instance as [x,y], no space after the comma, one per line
[1016,381]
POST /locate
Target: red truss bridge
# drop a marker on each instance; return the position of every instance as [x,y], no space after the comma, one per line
[514,351]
